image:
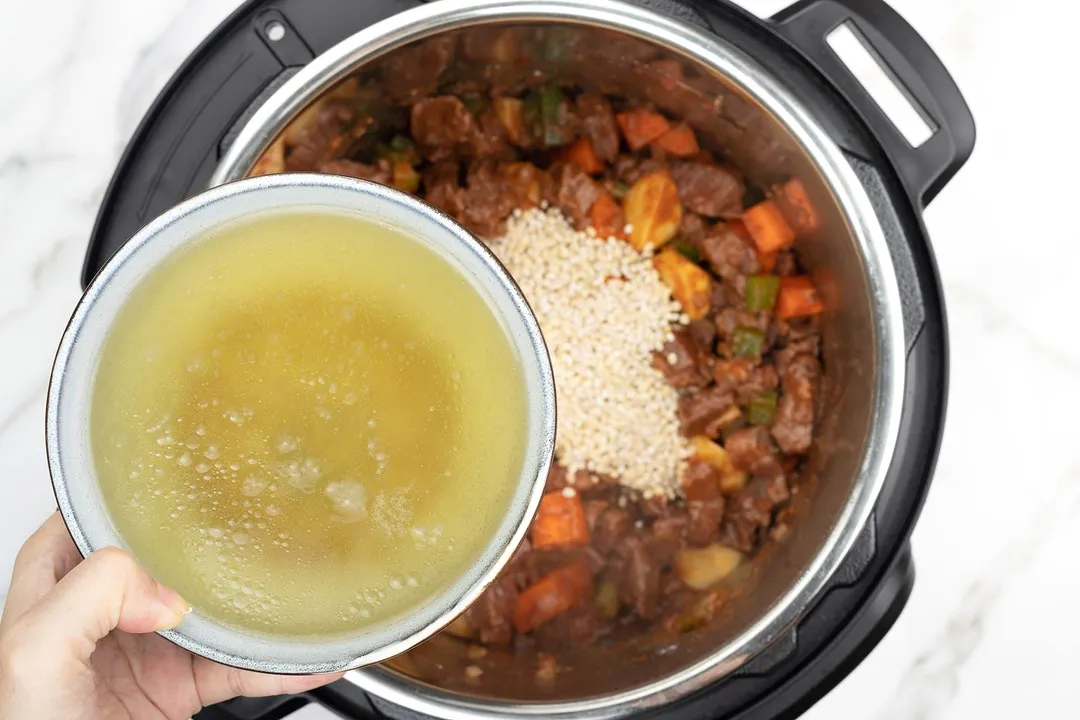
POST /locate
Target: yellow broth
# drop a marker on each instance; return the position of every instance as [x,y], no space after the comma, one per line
[307,423]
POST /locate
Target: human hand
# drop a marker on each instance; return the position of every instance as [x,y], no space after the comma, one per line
[77,642]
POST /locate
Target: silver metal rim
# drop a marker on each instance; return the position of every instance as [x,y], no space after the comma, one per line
[415,24]
[66,419]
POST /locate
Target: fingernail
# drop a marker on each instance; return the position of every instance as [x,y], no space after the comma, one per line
[178,607]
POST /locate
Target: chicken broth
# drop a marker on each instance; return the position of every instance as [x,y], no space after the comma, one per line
[307,423]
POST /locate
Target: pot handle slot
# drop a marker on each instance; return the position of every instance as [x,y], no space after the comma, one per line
[913,67]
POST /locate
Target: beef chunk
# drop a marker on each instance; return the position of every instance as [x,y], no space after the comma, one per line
[751,450]
[486,205]
[729,318]
[671,530]
[441,188]
[683,363]
[491,614]
[441,126]
[746,516]
[798,336]
[576,626]
[598,124]
[703,332]
[774,489]
[693,229]
[700,481]
[654,506]
[640,586]
[575,193]
[489,139]
[593,509]
[705,517]
[612,524]
[326,136]
[718,298]
[729,255]
[709,190]
[556,479]
[413,72]
[793,428]
[703,412]
[631,168]
[744,378]
[380,172]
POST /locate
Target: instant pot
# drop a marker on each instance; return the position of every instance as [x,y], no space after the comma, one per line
[776,100]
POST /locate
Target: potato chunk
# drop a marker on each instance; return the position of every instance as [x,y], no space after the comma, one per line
[511,113]
[653,210]
[701,568]
[732,479]
[690,284]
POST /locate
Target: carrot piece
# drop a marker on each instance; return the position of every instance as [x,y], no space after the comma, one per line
[768,228]
[552,594]
[641,127]
[679,141]
[796,206]
[798,298]
[607,218]
[560,522]
[582,154]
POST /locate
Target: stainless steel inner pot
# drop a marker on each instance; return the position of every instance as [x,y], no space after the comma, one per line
[739,109]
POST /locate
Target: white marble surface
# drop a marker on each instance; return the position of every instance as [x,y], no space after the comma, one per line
[987,633]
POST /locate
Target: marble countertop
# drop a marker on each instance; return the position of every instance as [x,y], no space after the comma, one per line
[984,632]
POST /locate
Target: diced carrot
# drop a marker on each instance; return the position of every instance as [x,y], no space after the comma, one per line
[679,141]
[768,228]
[767,261]
[796,206]
[607,218]
[552,594]
[798,298]
[641,127]
[582,154]
[560,522]
[739,228]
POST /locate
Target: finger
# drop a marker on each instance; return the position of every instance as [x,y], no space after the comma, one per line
[217,683]
[107,590]
[48,555]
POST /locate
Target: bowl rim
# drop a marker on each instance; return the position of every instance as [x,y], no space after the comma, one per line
[749,76]
[190,221]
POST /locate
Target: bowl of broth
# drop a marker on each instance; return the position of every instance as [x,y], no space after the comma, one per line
[316,407]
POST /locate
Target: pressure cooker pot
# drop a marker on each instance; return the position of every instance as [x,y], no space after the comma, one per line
[775,113]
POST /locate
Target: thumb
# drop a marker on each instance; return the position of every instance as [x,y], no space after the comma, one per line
[107,590]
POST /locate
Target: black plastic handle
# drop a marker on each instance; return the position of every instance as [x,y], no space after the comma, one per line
[924,169]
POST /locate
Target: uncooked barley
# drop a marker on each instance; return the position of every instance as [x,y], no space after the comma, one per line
[603,310]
